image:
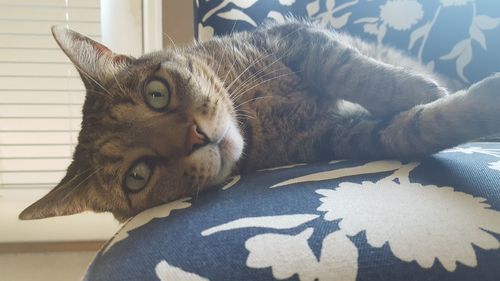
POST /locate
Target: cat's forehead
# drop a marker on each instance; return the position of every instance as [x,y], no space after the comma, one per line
[164,58]
[161,63]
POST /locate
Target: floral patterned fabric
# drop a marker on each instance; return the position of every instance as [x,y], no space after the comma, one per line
[438,219]
[458,38]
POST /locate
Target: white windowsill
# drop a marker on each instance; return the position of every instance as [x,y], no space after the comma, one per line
[82,227]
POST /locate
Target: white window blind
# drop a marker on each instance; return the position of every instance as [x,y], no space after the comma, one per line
[41,94]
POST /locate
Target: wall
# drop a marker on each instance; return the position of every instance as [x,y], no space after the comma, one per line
[178,22]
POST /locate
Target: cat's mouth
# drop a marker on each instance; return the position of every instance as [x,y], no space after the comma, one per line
[229,145]
[222,136]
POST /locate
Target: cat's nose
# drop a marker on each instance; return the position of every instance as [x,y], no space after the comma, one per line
[195,138]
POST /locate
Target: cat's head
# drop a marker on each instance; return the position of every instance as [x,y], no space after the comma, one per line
[154,129]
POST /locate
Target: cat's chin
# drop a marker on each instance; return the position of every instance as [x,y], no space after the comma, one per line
[213,164]
[230,150]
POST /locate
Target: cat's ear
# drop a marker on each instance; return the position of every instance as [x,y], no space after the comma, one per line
[94,61]
[70,196]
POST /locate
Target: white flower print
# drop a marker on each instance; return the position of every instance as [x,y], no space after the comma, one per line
[420,223]
[279,251]
[494,152]
[401,14]
[329,18]
[463,51]
[290,254]
[273,222]
[166,272]
[235,15]
[231,182]
[467,150]
[146,216]
[371,167]
[494,165]
[205,32]
[282,167]
[447,3]
[287,2]
[277,16]
[242,4]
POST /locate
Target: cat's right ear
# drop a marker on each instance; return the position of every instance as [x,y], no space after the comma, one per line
[75,193]
[94,61]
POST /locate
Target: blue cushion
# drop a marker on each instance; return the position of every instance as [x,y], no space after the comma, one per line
[458,38]
[438,219]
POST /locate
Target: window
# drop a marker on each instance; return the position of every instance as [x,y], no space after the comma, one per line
[41,96]
[40,91]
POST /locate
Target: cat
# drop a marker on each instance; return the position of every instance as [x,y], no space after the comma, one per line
[175,122]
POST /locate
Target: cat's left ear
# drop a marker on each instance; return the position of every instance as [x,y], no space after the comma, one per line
[94,61]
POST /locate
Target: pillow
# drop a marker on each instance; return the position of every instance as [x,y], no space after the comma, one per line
[438,219]
[458,38]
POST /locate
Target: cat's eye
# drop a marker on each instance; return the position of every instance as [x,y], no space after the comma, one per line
[137,176]
[157,94]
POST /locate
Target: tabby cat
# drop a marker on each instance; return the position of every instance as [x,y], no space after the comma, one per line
[175,122]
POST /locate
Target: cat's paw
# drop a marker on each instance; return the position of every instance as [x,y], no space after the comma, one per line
[416,90]
[484,102]
[426,90]
[488,89]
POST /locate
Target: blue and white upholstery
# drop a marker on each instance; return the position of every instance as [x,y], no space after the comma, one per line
[438,219]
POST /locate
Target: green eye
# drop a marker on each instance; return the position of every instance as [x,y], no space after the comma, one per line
[137,176]
[157,94]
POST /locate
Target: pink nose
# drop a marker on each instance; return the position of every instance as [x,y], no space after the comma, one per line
[195,138]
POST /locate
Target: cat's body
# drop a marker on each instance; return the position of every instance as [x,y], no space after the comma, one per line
[172,123]
[285,119]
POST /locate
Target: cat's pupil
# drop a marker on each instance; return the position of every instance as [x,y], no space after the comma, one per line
[156,94]
[136,176]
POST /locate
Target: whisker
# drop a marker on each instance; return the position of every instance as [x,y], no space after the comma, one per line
[237,95]
[231,69]
[266,51]
[232,28]
[92,79]
[265,67]
[244,111]
[100,94]
[224,52]
[239,116]
[243,89]
[265,81]
[118,83]
[75,176]
[197,192]
[220,61]
[253,99]
[247,68]
[243,114]
[88,177]
[245,84]
[75,188]
[171,41]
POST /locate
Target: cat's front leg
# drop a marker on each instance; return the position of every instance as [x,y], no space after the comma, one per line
[428,128]
[383,89]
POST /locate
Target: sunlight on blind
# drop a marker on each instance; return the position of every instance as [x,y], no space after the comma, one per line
[41,94]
